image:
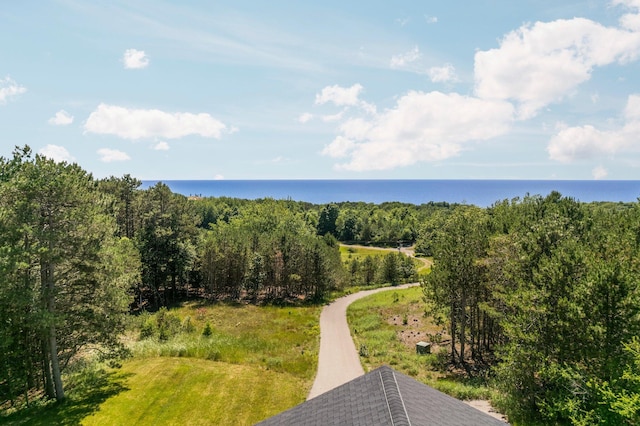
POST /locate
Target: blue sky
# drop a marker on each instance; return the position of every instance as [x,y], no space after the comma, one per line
[487,89]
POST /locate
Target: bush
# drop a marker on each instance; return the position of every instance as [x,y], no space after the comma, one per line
[208,331]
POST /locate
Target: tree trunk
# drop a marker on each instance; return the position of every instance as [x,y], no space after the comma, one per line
[463,325]
[453,333]
[55,364]
[51,345]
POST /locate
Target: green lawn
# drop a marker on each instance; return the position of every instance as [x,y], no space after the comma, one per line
[181,391]
[257,362]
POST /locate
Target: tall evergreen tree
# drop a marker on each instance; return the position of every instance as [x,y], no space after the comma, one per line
[60,262]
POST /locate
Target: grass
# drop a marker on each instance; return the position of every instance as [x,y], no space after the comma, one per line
[348,252]
[256,362]
[385,327]
[239,335]
[197,392]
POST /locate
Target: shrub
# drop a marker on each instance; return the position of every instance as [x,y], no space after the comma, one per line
[207,332]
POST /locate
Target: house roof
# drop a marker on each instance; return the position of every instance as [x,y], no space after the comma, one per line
[383,397]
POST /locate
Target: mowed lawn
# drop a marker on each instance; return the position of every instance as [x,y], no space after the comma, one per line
[181,391]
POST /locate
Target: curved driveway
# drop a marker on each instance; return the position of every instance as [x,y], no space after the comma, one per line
[338,360]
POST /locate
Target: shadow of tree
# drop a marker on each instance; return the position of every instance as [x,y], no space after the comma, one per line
[86,392]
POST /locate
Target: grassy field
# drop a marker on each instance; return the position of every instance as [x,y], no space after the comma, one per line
[349,252]
[183,391]
[386,327]
[255,362]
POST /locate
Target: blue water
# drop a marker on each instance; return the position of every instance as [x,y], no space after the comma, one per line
[482,193]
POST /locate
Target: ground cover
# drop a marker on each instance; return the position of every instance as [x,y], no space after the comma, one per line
[251,363]
[349,252]
[386,327]
[180,391]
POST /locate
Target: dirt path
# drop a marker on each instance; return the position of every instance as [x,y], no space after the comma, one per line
[338,360]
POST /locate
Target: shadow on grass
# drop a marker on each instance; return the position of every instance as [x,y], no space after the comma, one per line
[86,392]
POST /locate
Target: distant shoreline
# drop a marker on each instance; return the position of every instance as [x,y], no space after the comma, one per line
[482,193]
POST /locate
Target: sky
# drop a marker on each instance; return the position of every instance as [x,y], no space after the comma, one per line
[483,89]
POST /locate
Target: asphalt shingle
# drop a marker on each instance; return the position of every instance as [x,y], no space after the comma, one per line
[383,397]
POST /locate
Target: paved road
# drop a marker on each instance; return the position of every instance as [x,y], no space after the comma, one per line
[338,361]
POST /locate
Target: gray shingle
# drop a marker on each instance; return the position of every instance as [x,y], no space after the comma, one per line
[383,397]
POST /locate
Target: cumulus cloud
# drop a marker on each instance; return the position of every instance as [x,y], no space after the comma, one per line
[62,118]
[443,74]
[404,59]
[110,155]
[135,59]
[305,117]
[340,96]
[56,153]
[9,89]
[421,127]
[541,63]
[599,173]
[587,142]
[147,123]
[161,146]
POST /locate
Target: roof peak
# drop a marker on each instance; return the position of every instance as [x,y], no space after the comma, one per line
[393,397]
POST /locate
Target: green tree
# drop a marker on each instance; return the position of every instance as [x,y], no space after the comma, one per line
[327,220]
[62,264]
[453,289]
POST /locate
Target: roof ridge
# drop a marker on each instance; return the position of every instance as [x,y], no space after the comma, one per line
[393,398]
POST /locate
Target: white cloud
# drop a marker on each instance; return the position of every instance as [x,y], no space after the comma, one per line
[9,89]
[431,19]
[404,59]
[161,146]
[305,117]
[56,153]
[402,21]
[587,142]
[135,59]
[340,147]
[333,117]
[599,173]
[62,118]
[218,177]
[147,123]
[541,63]
[422,127]
[110,155]
[443,74]
[340,96]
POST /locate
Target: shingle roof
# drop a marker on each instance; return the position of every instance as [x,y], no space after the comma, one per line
[383,397]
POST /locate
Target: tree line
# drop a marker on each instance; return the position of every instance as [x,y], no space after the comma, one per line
[545,292]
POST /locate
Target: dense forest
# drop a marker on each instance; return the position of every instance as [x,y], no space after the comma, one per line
[540,295]
[544,291]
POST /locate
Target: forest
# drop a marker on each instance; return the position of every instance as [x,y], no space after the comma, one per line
[539,295]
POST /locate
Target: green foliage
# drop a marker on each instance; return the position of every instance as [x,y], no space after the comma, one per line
[207,331]
[65,274]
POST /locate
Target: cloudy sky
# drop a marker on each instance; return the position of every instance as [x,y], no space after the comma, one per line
[483,89]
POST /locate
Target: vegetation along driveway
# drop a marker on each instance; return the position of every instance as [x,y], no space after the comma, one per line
[338,361]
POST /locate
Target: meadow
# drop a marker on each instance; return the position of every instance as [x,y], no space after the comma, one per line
[386,327]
